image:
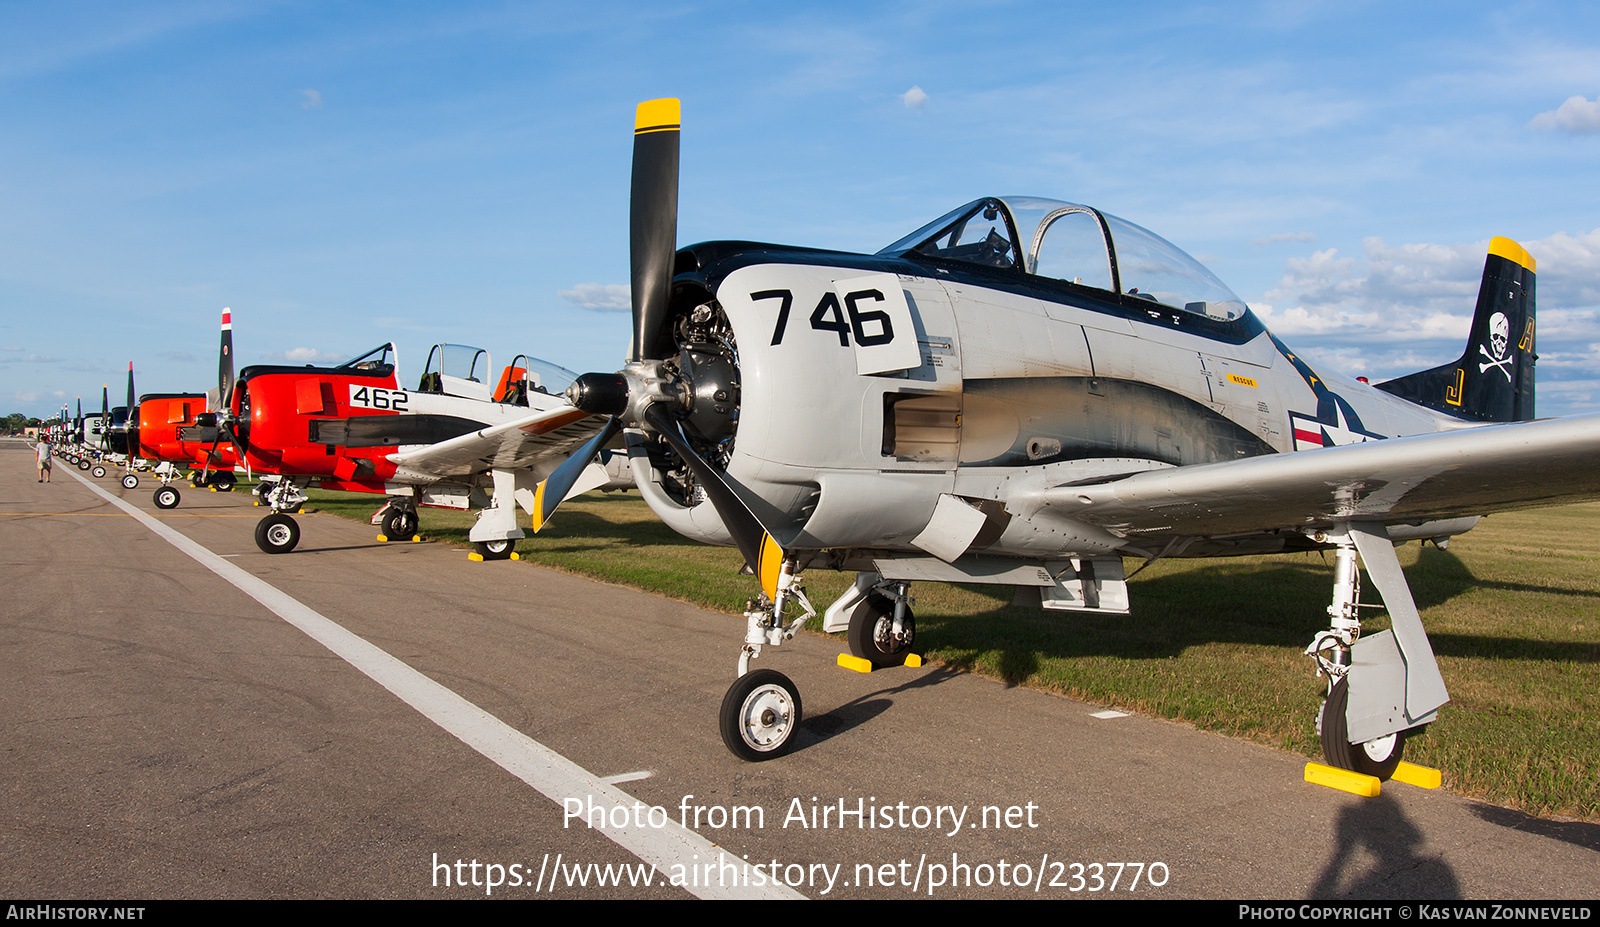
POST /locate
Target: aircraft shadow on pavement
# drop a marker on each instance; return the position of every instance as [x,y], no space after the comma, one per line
[1584,834]
[859,711]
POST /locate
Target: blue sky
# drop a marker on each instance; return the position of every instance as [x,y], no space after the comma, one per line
[343,174]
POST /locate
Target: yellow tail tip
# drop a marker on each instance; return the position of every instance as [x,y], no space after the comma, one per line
[1511,251]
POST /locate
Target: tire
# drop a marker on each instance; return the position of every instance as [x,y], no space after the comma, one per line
[167,497]
[870,623]
[495,550]
[760,715]
[223,481]
[130,482]
[1374,758]
[277,533]
[400,525]
[98,473]
[83,463]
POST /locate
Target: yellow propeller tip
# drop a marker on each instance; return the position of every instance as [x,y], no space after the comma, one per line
[657,116]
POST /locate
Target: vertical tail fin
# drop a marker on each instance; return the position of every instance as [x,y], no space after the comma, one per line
[1493,380]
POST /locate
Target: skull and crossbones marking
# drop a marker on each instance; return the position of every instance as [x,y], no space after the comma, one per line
[1500,339]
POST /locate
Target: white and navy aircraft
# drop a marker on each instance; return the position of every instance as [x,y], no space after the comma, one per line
[1025,392]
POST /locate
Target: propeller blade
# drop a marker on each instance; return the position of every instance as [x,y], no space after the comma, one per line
[105,412]
[225,363]
[761,550]
[553,491]
[132,401]
[653,221]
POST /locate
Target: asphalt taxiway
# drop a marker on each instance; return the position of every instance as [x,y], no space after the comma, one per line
[185,716]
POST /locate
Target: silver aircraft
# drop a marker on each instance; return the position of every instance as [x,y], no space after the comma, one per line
[1024,392]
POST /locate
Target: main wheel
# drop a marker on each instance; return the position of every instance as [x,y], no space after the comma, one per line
[871,627]
[83,463]
[277,533]
[98,472]
[1375,757]
[223,481]
[760,715]
[167,498]
[495,550]
[399,525]
[130,482]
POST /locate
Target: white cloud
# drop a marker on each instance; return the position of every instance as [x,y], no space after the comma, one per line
[308,356]
[606,297]
[1577,115]
[313,99]
[915,98]
[1402,308]
[1421,290]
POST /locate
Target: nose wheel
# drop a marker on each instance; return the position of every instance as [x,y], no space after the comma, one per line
[167,498]
[760,715]
[277,533]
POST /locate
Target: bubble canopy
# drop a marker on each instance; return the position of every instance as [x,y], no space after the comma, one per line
[1075,243]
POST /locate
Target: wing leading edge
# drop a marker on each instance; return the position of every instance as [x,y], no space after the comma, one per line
[542,438]
[1473,471]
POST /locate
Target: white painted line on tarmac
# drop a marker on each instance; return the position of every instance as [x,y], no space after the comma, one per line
[620,778]
[553,775]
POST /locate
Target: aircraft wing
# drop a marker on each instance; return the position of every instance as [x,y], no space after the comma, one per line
[542,437]
[1472,471]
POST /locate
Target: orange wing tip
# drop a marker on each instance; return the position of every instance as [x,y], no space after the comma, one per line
[657,116]
[1422,777]
[858,664]
[1342,779]
[1512,251]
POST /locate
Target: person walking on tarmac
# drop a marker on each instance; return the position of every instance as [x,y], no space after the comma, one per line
[41,453]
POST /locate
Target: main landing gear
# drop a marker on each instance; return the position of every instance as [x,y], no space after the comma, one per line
[397,520]
[499,549]
[1385,687]
[278,533]
[882,629]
